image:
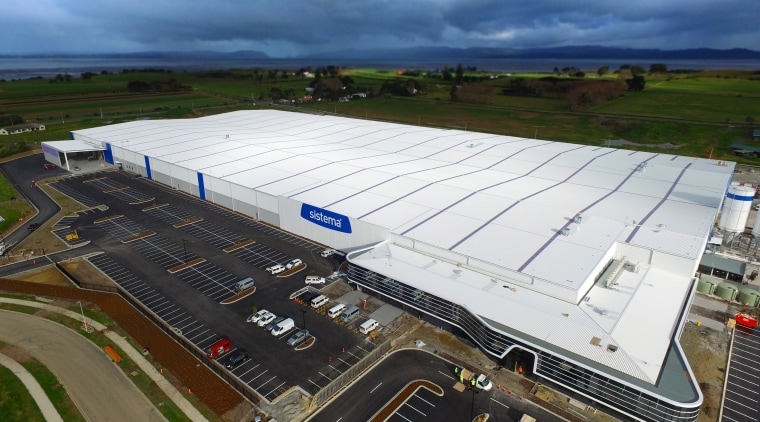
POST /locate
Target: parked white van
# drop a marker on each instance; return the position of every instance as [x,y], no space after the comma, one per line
[319,301]
[244,284]
[349,314]
[283,327]
[335,310]
[368,325]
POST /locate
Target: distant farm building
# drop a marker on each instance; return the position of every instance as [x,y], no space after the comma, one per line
[14,130]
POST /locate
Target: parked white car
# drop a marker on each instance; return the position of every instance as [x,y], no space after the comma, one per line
[276,269]
[257,316]
[327,253]
[266,319]
[314,279]
[294,263]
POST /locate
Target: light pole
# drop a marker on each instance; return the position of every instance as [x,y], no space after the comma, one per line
[472,406]
[185,249]
[303,314]
[84,321]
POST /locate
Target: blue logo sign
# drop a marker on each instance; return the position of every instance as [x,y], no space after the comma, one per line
[327,219]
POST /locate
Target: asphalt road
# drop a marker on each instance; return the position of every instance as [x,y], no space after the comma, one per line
[21,173]
[371,392]
[99,388]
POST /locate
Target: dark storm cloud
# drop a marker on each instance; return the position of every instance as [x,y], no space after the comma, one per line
[290,27]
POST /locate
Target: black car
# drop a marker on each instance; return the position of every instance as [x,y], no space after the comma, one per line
[34,226]
[235,358]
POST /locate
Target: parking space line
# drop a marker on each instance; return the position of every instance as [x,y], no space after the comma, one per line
[254,378]
[318,386]
[320,373]
[414,408]
[246,372]
[273,390]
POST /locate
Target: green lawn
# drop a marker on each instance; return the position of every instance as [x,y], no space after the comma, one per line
[694,109]
[16,404]
[12,206]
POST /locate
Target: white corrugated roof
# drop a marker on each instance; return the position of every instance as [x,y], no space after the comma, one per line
[499,200]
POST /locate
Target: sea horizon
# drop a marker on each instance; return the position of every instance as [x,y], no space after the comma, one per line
[19,68]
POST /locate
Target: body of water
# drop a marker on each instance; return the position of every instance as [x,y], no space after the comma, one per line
[23,68]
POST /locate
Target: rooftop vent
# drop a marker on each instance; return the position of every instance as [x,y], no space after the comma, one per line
[578,219]
[612,348]
[566,231]
[595,341]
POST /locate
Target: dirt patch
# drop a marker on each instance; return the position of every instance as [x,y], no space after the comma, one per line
[233,299]
[82,269]
[47,274]
[707,353]
[17,354]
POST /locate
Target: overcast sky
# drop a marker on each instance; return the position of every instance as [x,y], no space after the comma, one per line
[286,28]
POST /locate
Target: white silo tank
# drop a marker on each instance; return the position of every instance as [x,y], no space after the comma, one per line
[736,207]
[756,228]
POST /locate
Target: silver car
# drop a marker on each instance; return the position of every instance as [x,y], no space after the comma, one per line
[298,337]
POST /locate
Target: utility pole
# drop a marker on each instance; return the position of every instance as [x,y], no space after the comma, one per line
[185,249]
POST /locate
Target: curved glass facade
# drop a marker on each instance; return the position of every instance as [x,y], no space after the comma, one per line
[594,384]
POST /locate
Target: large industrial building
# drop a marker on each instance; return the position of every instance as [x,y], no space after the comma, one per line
[576,262]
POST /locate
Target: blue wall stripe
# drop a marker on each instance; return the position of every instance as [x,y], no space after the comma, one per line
[108,154]
[147,167]
[201,188]
[739,197]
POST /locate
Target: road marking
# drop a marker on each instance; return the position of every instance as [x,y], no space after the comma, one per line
[414,408]
[431,404]
[378,386]
[446,375]
[498,402]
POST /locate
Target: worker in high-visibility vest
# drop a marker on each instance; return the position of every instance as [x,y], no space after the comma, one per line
[456,370]
[461,378]
[472,383]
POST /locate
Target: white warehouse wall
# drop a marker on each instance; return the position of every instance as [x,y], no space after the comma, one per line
[362,233]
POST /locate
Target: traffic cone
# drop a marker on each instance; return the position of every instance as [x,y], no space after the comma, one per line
[189,391]
[510,392]
[329,358]
[162,371]
[343,349]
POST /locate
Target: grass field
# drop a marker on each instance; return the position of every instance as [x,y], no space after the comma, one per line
[699,111]
[16,404]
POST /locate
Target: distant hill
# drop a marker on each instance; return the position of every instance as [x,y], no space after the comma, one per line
[575,52]
[197,55]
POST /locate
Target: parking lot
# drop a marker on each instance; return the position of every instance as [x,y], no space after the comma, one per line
[181,257]
[742,399]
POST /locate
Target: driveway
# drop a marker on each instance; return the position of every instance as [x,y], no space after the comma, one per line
[91,379]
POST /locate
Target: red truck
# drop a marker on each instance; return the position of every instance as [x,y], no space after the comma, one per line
[220,347]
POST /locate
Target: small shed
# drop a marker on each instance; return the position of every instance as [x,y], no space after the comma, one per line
[720,267]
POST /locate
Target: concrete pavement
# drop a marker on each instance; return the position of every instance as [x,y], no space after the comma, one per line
[174,395]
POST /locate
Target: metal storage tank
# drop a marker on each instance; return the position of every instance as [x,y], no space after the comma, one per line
[726,291]
[749,296]
[706,287]
[736,207]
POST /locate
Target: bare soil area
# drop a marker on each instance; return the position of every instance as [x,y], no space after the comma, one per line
[707,352]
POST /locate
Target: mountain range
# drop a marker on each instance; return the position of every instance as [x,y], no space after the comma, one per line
[447,53]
